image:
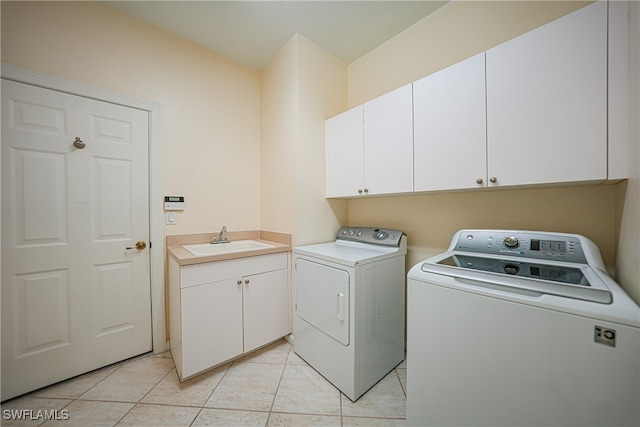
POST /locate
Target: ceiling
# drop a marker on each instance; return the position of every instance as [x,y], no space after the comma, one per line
[252,32]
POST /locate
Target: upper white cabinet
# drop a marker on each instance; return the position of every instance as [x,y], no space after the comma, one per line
[547,102]
[369,148]
[450,133]
[547,107]
[388,143]
[344,144]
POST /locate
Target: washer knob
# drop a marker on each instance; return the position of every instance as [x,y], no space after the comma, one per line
[511,242]
[511,269]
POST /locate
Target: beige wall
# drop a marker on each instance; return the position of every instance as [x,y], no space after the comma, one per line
[278,152]
[628,260]
[454,32]
[211,105]
[301,87]
[431,219]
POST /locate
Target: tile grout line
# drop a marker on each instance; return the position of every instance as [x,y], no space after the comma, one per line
[284,367]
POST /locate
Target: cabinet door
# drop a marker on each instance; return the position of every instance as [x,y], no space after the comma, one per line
[547,102]
[211,325]
[450,127]
[266,308]
[343,140]
[388,143]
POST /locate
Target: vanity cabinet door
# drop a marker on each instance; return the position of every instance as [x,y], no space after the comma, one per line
[211,325]
[547,102]
[221,310]
[265,308]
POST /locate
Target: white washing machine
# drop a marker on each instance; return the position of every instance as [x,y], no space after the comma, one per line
[520,328]
[349,306]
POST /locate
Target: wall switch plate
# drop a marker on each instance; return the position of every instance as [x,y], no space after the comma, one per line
[171,218]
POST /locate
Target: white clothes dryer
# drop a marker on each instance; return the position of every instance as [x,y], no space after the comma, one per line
[349,306]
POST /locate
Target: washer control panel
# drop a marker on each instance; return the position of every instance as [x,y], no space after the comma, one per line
[527,244]
[371,235]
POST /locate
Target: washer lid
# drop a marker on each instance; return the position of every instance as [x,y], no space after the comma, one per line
[511,274]
[350,253]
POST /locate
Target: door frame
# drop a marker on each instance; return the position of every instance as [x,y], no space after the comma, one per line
[156,226]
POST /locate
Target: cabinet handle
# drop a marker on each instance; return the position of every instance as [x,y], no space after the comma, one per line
[246,281]
[479,181]
[239,282]
[493,179]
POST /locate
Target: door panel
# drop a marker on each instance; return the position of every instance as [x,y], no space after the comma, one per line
[42,298]
[322,298]
[73,297]
[39,179]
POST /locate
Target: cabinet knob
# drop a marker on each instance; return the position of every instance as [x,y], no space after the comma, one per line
[493,179]
[359,190]
[366,190]
[246,281]
[479,181]
[239,282]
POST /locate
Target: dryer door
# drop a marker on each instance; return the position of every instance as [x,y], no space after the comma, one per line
[322,298]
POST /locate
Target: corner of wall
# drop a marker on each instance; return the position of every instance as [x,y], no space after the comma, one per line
[628,193]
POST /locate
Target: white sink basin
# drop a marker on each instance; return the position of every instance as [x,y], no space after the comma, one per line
[205,249]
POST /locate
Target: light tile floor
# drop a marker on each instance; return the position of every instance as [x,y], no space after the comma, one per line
[270,387]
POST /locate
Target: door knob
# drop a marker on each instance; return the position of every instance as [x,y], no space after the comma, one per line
[78,143]
[140,245]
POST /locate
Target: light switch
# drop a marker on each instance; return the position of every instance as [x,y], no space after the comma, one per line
[171,218]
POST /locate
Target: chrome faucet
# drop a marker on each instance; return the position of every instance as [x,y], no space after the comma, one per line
[222,237]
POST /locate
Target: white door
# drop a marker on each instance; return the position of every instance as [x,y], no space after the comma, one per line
[388,143]
[322,298]
[265,303]
[450,128]
[344,154]
[74,297]
[547,102]
[211,325]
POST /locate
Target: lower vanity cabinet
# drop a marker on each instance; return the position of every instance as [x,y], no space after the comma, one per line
[221,310]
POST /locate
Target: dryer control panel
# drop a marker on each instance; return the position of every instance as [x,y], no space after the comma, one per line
[371,235]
